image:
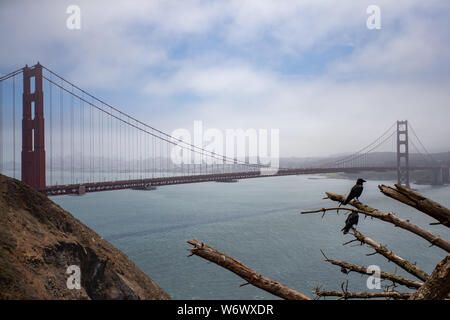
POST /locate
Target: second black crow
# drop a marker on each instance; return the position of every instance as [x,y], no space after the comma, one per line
[352,219]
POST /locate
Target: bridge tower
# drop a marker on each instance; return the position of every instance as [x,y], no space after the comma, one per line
[402,153]
[33,141]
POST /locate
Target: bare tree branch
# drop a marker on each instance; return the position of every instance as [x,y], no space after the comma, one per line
[437,286]
[384,275]
[387,217]
[258,280]
[416,200]
[402,263]
[362,295]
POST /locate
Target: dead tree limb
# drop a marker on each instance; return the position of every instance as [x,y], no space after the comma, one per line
[402,263]
[416,200]
[362,295]
[388,217]
[412,284]
[437,287]
[258,280]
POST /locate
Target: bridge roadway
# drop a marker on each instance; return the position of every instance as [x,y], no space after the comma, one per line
[142,183]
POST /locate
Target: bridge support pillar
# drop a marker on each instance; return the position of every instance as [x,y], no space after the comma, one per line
[33,140]
[445,175]
[402,153]
[438,176]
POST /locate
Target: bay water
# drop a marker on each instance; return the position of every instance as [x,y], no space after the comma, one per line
[258,222]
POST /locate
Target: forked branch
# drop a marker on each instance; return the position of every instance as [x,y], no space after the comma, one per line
[258,280]
[402,263]
[387,217]
[416,200]
[412,284]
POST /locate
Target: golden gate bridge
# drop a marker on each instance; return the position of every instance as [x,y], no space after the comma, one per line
[71,142]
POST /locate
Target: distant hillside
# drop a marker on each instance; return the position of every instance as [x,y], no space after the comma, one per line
[39,240]
[372,159]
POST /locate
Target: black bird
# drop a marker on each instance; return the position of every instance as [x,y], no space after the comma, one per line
[352,219]
[355,192]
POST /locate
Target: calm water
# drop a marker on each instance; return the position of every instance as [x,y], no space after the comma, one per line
[256,221]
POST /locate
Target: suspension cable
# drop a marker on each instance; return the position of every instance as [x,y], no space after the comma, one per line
[420,142]
[170,137]
[11,74]
[357,154]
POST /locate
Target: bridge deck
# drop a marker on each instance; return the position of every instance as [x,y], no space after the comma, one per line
[141,183]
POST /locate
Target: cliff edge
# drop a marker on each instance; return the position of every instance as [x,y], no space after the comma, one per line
[39,241]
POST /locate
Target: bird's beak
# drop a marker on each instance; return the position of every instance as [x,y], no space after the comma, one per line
[364,180]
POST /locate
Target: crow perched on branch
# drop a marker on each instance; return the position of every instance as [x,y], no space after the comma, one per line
[355,192]
[352,219]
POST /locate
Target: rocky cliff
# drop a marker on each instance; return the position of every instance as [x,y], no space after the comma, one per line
[39,241]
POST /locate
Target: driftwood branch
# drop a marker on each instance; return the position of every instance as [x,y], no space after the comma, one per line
[384,275]
[437,286]
[416,200]
[362,295]
[258,280]
[387,217]
[402,263]
[434,286]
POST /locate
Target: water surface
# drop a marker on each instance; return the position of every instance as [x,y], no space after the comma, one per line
[256,221]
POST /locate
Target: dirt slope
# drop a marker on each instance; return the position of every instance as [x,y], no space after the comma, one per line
[39,240]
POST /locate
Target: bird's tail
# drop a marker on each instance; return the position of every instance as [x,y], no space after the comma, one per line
[346,229]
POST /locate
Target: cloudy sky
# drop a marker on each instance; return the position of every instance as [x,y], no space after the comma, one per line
[309,68]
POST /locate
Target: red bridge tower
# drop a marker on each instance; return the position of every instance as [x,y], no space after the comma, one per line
[33,140]
[402,153]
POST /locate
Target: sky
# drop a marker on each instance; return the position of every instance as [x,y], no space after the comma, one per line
[310,68]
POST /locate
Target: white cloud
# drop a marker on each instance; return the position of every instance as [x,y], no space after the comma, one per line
[220,80]
[233,74]
[416,49]
[316,117]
